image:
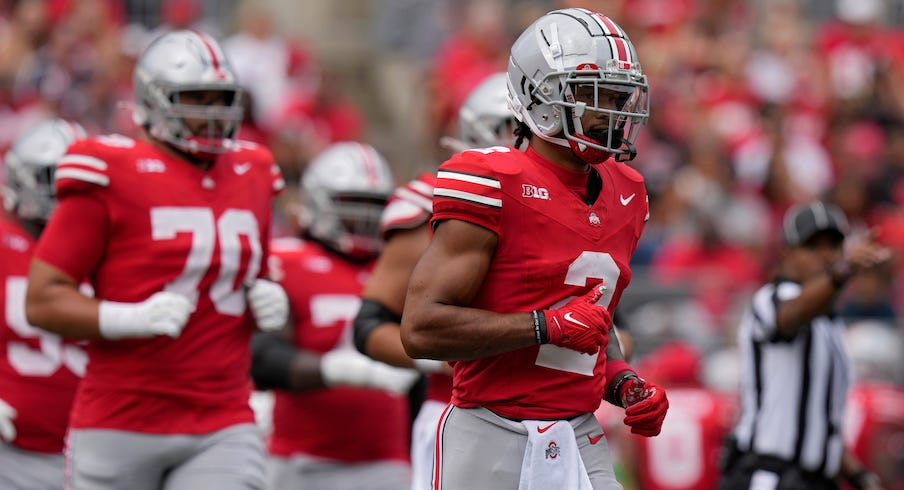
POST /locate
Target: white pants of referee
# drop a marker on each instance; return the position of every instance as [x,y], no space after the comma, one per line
[229,459]
[481,450]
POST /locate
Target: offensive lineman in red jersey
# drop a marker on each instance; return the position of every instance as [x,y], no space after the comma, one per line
[39,372]
[483,121]
[340,419]
[533,248]
[172,233]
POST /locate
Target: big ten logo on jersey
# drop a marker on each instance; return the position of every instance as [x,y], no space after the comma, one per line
[150,166]
[529,190]
[51,353]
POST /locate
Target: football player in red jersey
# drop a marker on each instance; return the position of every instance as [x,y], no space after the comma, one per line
[685,455]
[530,252]
[340,419]
[172,233]
[483,121]
[39,372]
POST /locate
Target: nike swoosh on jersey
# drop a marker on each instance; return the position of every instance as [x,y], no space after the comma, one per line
[242,168]
[575,321]
[544,429]
[625,200]
[595,439]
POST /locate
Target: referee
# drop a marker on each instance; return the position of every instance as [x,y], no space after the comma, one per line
[795,373]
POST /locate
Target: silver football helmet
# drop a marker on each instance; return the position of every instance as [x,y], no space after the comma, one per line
[571,61]
[345,189]
[179,63]
[485,119]
[30,164]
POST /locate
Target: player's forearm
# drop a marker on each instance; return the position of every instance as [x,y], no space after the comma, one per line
[613,348]
[385,344]
[277,364]
[816,298]
[453,333]
[60,308]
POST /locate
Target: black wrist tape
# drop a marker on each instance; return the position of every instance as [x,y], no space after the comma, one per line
[540,326]
[613,396]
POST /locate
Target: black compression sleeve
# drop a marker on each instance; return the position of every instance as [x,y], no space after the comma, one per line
[271,361]
[371,315]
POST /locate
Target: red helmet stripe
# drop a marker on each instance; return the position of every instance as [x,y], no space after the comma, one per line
[214,58]
[616,36]
[620,49]
[370,165]
[611,28]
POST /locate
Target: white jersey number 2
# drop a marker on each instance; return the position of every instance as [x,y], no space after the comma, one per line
[588,265]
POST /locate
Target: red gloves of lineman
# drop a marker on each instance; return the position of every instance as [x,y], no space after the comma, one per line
[579,325]
[645,406]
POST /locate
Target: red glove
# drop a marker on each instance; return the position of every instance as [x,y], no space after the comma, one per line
[645,406]
[579,325]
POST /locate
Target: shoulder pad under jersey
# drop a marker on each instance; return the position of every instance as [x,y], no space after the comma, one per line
[501,159]
[626,170]
[87,163]
[410,206]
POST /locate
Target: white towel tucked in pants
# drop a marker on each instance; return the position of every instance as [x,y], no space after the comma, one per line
[551,458]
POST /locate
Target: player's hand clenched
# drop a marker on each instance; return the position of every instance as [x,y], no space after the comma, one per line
[269,305]
[579,325]
[645,406]
[350,368]
[164,313]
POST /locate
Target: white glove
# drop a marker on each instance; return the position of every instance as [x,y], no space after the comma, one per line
[351,368]
[269,305]
[7,429]
[430,366]
[164,313]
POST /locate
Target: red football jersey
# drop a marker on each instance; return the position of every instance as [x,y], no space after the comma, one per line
[39,372]
[552,245]
[685,455]
[168,225]
[874,430]
[324,291]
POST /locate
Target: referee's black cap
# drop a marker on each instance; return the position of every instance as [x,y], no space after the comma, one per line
[803,222]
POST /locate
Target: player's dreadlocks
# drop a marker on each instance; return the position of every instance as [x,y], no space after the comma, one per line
[522,132]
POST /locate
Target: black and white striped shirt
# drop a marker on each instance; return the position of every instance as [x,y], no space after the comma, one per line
[792,390]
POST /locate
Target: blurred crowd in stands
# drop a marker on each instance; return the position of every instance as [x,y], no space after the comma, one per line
[756,105]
